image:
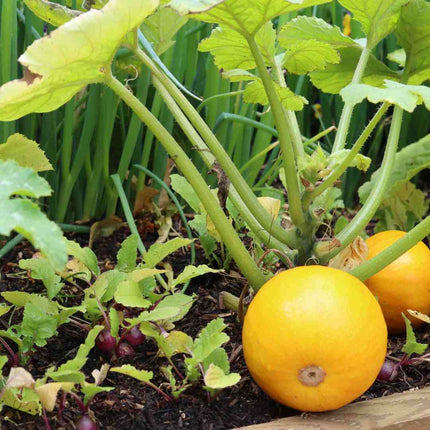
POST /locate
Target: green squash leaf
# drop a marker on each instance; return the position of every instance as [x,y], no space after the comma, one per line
[25,152]
[408,97]
[409,162]
[193,6]
[305,28]
[244,16]
[398,56]
[255,93]
[413,34]
[337,76]
[378,17]
[76,54]
[161,27]
[51,12]
[24,216]
[21,181]
[309,55]
[403,208]
[231,50]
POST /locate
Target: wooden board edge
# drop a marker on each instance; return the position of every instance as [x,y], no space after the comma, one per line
[409,410]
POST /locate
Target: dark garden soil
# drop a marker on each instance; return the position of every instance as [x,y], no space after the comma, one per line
[134,406]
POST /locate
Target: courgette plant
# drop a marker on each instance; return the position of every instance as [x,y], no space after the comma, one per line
[247,49]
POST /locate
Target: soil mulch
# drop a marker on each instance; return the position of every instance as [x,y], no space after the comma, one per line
[134,406]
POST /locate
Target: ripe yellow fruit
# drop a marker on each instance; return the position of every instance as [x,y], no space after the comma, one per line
[404,284]
[314,338]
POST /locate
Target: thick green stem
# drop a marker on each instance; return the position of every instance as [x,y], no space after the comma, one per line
[292,179]
[390,254]
[221,156]
[326,250]
[345,119]
[339,170]
[226,230]
[263,235]
[290,116]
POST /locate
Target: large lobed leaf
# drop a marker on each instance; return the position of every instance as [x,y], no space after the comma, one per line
[409,162]
[161,27]
[304,28]
[76,54]
[378,17]
[255,92]
[408,97]
[231,50]
[25,152]
[413,34]
[337,76]
[51,12]
[24,216]
[244,16]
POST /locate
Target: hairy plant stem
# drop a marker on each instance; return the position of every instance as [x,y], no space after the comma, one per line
[263,235]
[327,250]
[301,220]
[390,254]
[345,119]
[243,190]
[308,197]
[226,230]
[290,116]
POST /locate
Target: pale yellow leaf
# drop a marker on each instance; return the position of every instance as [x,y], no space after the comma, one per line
[19,378]
[273,206]
[351,257]
[419,316]
[25,152]
[48,394]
